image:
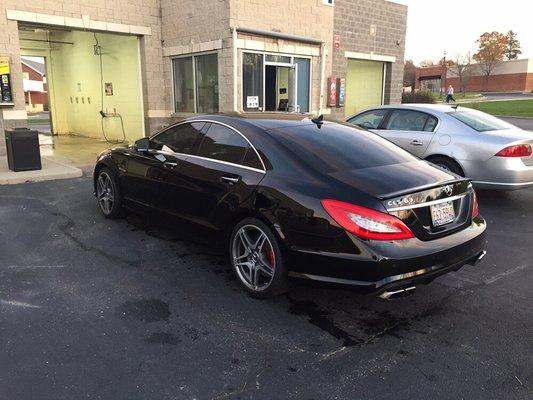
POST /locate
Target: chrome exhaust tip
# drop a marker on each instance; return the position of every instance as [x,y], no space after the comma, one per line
[396,294]
[478,258]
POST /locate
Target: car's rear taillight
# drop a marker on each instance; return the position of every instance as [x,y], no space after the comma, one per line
[365,222]
[517,150]
[475,206]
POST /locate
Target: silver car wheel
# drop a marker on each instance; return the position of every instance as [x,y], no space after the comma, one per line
[105,193]
[253,257]
[445,167]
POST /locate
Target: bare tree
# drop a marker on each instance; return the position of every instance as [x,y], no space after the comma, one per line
[462,68]
[409,74]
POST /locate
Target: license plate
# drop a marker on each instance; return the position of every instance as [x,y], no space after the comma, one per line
[442,213]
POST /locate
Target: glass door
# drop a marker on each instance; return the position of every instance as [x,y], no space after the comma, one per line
[274,82]
[284,85]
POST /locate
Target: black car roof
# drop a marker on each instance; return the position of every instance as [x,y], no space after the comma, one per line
[261,121]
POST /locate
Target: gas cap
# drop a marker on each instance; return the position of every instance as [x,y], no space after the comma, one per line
[444,140]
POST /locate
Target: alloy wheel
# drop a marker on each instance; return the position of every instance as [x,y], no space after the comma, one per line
[105,193]
[253,257]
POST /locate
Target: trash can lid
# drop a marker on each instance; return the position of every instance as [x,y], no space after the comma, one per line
[21,133]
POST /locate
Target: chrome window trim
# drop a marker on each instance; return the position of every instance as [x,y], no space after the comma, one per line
[428,203]
[214,159]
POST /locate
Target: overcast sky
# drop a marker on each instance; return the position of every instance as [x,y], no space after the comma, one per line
[454,25]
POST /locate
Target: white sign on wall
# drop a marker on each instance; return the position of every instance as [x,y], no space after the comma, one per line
[252,101]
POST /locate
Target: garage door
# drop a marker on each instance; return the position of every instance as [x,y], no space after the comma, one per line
[364,85]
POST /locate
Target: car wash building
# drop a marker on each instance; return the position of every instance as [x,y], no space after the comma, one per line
[122,69]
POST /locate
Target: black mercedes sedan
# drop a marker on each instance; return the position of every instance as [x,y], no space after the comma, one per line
[307,198]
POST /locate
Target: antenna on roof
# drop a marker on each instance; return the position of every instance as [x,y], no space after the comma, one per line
[318,120]
[455,106]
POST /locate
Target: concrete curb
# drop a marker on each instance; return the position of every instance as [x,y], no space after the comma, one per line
[51,170]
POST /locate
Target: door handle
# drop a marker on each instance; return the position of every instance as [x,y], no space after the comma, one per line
[231,180]
[170,164]
[416,143]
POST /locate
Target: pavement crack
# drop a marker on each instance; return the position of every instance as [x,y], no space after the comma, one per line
[65,229]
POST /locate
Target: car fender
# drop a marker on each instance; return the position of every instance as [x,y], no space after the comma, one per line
[105,160]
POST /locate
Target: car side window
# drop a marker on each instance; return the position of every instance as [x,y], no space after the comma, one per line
[180,138]
[369,120]
[407,120]
[431,124]
[251,159]
[224,144]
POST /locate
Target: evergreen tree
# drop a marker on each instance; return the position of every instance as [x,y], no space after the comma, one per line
[513,46]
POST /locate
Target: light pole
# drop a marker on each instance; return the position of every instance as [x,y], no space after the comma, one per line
[445,69]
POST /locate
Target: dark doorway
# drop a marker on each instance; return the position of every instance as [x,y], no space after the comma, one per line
[270,88]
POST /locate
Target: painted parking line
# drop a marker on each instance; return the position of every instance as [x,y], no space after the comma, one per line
[505,273]
[15,303]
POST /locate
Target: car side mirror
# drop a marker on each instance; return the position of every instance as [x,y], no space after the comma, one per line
[142,145]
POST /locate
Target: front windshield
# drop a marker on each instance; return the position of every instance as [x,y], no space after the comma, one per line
[479,121]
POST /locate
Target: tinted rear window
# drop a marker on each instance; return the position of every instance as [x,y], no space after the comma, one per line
[336,147]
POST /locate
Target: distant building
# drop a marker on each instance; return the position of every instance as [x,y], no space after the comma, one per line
[430,78]
[507,76]
[35,86]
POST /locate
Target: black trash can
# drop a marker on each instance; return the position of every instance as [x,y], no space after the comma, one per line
[22,146]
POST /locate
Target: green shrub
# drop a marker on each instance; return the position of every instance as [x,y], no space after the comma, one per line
[422,96]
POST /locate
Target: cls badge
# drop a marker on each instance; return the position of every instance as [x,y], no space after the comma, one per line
[448,190]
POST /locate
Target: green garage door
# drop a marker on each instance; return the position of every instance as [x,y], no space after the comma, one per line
[364,85]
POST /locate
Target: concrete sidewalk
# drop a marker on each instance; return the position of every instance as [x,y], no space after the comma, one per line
[51,170]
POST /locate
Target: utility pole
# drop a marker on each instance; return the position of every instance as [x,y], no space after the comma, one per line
[445,68]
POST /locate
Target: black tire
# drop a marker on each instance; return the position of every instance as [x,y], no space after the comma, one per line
[448,164]
[251,270]
[107,188]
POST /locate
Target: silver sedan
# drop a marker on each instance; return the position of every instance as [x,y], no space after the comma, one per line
[491,152]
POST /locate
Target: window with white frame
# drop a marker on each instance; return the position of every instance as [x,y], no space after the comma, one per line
[195,83]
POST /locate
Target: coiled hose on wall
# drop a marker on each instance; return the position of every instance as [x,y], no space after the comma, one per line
[98,51]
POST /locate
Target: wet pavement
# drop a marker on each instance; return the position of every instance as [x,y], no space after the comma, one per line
[141,309]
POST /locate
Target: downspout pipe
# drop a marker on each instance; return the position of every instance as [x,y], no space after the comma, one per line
[322,76]
[234,37]
[278,35]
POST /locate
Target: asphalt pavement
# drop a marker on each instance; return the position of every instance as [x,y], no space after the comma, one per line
[139,309]
[524,122]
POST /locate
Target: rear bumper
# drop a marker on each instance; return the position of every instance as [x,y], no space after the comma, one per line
[397,282]
[394,265]
[500,173]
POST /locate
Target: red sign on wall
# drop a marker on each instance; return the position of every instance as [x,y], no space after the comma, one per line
[332,92]
[337,41]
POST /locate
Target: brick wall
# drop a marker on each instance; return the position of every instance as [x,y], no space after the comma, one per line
[352,22]
[191,26]
[496,83]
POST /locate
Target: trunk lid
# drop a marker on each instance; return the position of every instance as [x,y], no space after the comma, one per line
[434,212]
[413,192]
